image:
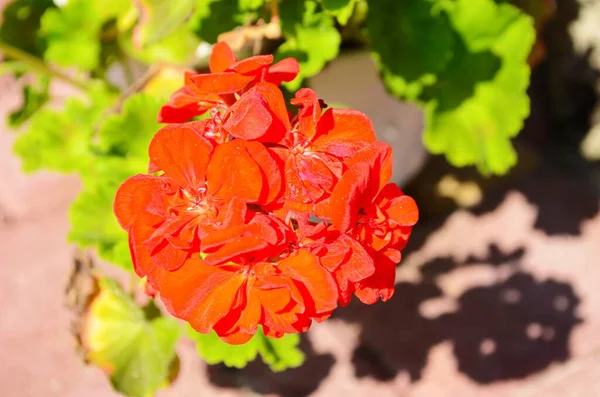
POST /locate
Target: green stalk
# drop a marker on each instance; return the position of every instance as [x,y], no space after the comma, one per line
[38,65]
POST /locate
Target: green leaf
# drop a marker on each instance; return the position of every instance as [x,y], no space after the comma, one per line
[34,97]
[177,48]
[123,143]
[465,62]
[58,141]
[341,9]
[160,18]
[13,67]
[480,101]
[213,17]
[250,5]
[134,346]
[21,22]
[412,42]
[73,31]
[129,133]
[93,223]
[311,38]
[280,354]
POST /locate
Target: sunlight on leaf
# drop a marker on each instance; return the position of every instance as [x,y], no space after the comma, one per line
[280,354]
[465,62]
[135,347]
[312,38]
[160,18]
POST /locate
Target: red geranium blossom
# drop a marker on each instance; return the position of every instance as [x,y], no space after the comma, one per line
[224,226]
[167,216]
[376,213]
[229,77]
[313,145]
[250,285]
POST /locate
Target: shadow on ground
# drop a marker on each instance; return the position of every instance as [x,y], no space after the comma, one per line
[257,376]
[508,330]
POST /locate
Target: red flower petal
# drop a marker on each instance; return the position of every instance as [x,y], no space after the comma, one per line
[359,264]
[136,196]
[259,114]
[321,288]
[200,294]
[252,65]
[380,285]
[309,113]
[246,170]
[401,208]
[242,321]
[276,103]
[348,197]
[285,70]
[249,118]
[187,102]
[221,57]
[182,154]
[247,246]
[221,83]
[379,156]
[308,179]
[171,113]
[139,232]
[342,132]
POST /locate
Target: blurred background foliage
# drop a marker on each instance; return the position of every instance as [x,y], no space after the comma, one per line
[466,63]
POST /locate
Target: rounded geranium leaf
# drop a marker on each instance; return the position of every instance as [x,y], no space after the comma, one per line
[279,354]
[135,349]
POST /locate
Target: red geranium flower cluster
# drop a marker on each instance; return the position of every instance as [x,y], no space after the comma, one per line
[260,216]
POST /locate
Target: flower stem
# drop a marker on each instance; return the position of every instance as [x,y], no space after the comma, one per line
[274,10]
[38,65]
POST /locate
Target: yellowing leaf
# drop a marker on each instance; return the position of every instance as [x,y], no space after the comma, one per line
[134,346]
